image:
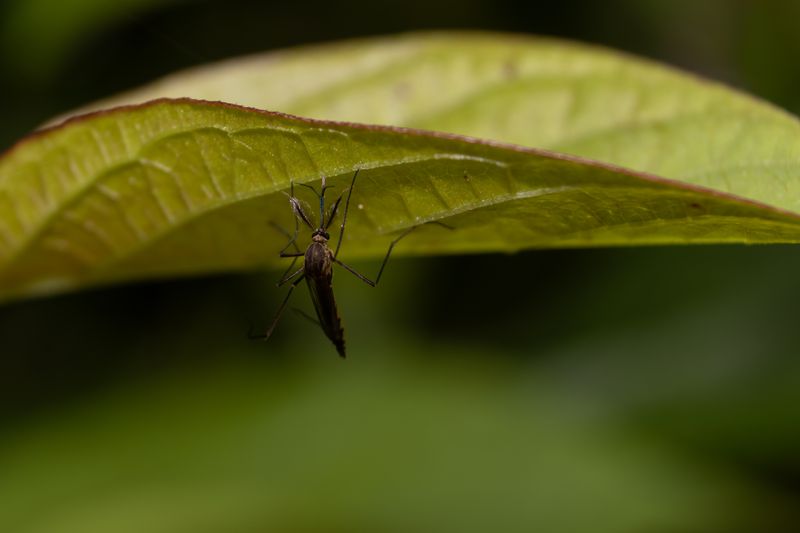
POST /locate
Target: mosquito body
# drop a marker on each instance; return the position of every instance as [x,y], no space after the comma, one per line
[318,272]
[318,261]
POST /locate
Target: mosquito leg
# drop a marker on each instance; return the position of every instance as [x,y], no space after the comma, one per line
[401,236]
[306,316]
[288,277]
[292,242]
[332,212]
[286,272]
[297,253]
[278,314]
[344,215]
[383,264]
[292,238]
[356,273]
[388,253]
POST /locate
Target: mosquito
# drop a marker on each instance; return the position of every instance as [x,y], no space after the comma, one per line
[318,260]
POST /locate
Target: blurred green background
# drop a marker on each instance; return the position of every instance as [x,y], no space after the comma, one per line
[651,389]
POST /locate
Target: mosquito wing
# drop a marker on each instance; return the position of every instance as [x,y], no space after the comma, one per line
[321,290]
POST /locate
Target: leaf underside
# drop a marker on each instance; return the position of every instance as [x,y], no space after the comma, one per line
[188,187]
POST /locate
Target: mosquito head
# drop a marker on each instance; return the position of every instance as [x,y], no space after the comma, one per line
[320,235]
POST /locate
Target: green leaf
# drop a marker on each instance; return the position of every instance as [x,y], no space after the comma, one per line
[188,187]
[545,93]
